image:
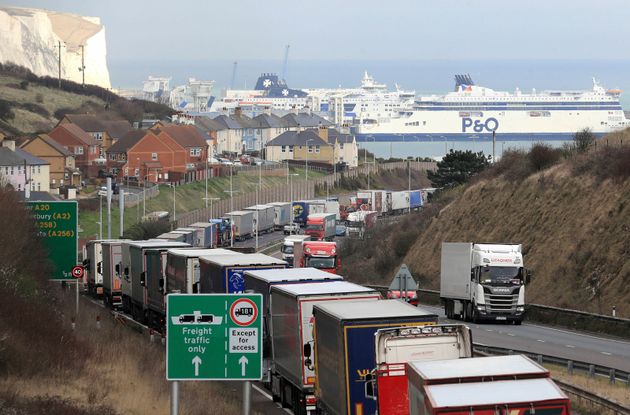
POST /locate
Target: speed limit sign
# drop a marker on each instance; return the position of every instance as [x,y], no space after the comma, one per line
[78,271]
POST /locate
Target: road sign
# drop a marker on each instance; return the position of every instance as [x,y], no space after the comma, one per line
[78,271]
[403,280]
[213,337]
[57,224]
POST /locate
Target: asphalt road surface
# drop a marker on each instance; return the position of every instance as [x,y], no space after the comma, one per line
[550,341]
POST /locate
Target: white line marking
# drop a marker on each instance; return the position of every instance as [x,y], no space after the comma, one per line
[511,334]
[570,346]
[538,340]
[577,333]
[262,392]
[606,353]
[490,330]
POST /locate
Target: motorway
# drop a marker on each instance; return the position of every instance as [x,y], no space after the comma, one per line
[550,341]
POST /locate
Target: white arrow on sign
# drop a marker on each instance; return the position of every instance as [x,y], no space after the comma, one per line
[243,362]
[196,361]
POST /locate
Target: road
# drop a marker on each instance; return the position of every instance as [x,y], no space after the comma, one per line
[550,341]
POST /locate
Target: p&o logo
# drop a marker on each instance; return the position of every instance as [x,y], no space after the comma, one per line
[491,124]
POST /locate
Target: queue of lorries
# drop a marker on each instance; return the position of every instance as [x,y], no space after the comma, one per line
[334,347]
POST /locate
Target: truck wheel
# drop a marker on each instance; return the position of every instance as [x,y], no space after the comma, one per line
[475,315]
[517,322]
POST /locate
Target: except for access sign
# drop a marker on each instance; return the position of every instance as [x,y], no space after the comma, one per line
[57,224]
[213,337]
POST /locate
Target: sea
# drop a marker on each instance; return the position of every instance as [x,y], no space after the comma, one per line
[422,75]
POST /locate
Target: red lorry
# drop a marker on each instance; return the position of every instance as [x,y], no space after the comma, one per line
[316,254]
[321,226]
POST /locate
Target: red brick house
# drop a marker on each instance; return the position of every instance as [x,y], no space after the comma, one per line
[105,132]
[165,153]
[84,147]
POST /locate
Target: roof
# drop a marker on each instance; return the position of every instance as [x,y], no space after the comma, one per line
[117,128]
[9,157]
[87,122]
[243,260]
[477,367]
[297,138]
[157,244]
[305,120]
[207,124]
[239,213]
[51,142]
[198,253]
[184,135]
[292,274]
[72,130]
[243,120]
[323,288]
[335,136]
[268,121]
[128,140]
[373,310]
[228,123]
[465,395]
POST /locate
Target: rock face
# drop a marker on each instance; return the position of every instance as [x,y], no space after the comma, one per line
[30,38]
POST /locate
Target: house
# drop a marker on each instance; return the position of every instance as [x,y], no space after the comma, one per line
[19,169]
[266,128]
[85,148]
[209,129]
[117,153]
[248,137]
[167,152]
[302,120]
[346,149]
[298,145]
[63,170]
[229,137]
[105,132]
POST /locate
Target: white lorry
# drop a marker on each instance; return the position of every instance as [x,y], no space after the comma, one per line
[288,246]
[481,281]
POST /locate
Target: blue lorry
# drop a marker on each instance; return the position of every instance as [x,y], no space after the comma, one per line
[225,273]
[345,349]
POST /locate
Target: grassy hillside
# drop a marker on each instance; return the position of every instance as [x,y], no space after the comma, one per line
[571,213]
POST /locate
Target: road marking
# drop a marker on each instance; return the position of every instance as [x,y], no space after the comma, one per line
[511,334]
[606,353]
[577,333]
[538,340]
[490,330]
[262,392]
[570,346]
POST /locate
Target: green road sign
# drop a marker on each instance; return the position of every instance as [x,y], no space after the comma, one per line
[214,337]
[57,224]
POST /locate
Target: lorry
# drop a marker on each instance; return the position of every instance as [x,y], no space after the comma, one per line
[300,211]
[263,218]
[480,281]
[484,385]
[183,268]
[198,235]
[400,202]
[134,271]
[112,272]
[208,237]
[288,245]
[173,236]
[261,281]
[395,347]
[156,278]
[316,254]
[416,200]
[224,274]
[379,200]
[324,206]
[345,350]
[321,226]
[189,235]
[282,214]
[360,221]
[224,231]
[93,264]
[292,336]
[242,224]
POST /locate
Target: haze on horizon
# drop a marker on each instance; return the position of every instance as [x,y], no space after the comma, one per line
[369,29]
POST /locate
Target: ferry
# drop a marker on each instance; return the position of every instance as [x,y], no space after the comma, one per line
[473,112]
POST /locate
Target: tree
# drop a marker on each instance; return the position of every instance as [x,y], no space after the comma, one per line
[5,110]
[583,139]
[457,167]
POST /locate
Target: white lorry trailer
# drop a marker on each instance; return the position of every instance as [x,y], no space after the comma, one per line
[481,281]
[288,246]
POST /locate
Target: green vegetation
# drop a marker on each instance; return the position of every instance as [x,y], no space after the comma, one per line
[457,167]
[188,197]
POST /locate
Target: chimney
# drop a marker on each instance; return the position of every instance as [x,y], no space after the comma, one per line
[238,111]
[323,133]
[10,144]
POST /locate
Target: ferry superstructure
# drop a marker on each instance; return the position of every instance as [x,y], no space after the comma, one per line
[476,112]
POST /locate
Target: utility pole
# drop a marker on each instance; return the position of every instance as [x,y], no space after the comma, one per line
[109,207]
[409,185]
[59,61]
[82,68]
[121,207]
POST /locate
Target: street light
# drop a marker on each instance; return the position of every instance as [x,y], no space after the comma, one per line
[211,199]
[307,148]
[290,178]
[368,165]
[231,192]
[173,186]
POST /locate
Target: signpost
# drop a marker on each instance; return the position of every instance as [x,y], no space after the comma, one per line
[57,224]
[213,337]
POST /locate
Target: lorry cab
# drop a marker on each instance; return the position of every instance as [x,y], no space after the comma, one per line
[317,254]
[321,226]
[288,245]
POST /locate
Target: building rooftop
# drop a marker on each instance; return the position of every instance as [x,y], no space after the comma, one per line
[268,121]
[127,141]
[298,138]
[305,120]
[117,128]
[184,135]
[87,122]
[18,157]
[73,131]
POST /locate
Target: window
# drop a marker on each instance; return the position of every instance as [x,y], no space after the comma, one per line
[136,172]
[126,171]
[284,148]
[154,156]
[98,136]
[39,169]
[78,150]
[112,156]
[290,149]
[195,152]
[39,186]
[11,170]
[20,168]
[340,146]
[310,149]
[317,149]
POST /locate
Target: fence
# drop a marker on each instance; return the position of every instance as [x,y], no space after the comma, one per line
[364,169]
[280,193]
[133,199]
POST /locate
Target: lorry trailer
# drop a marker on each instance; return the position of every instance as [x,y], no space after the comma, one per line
[288,246]
[242,224]
[263,218]
[208,238]
[224,274]
[292,336]
[93,264]
[483,281]
[282,214]
[345,353]
[112,272]
[321,226]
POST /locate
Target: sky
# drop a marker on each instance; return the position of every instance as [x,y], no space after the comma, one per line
[140,30]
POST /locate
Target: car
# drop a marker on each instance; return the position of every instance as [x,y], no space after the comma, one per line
[293,228]
[340,230]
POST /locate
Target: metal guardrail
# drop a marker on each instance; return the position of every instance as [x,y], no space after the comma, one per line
[594,401]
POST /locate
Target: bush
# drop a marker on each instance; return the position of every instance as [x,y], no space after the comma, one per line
[6,112]
[542,156]
[147,230]
[583,140]
[605,163]
[39,98]
[24,85]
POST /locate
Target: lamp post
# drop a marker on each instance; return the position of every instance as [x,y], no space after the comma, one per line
[211,199]
[173,221]
[231,192]
[290,178]
[307,148]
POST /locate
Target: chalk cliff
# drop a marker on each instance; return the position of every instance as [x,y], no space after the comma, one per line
[30,38]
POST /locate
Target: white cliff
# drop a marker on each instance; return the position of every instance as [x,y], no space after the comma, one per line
[30,38]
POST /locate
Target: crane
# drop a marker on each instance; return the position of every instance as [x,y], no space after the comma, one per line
[233,75]
[284,64]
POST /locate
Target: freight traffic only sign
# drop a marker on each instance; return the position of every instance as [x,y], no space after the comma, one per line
[213,337]
[57,224]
